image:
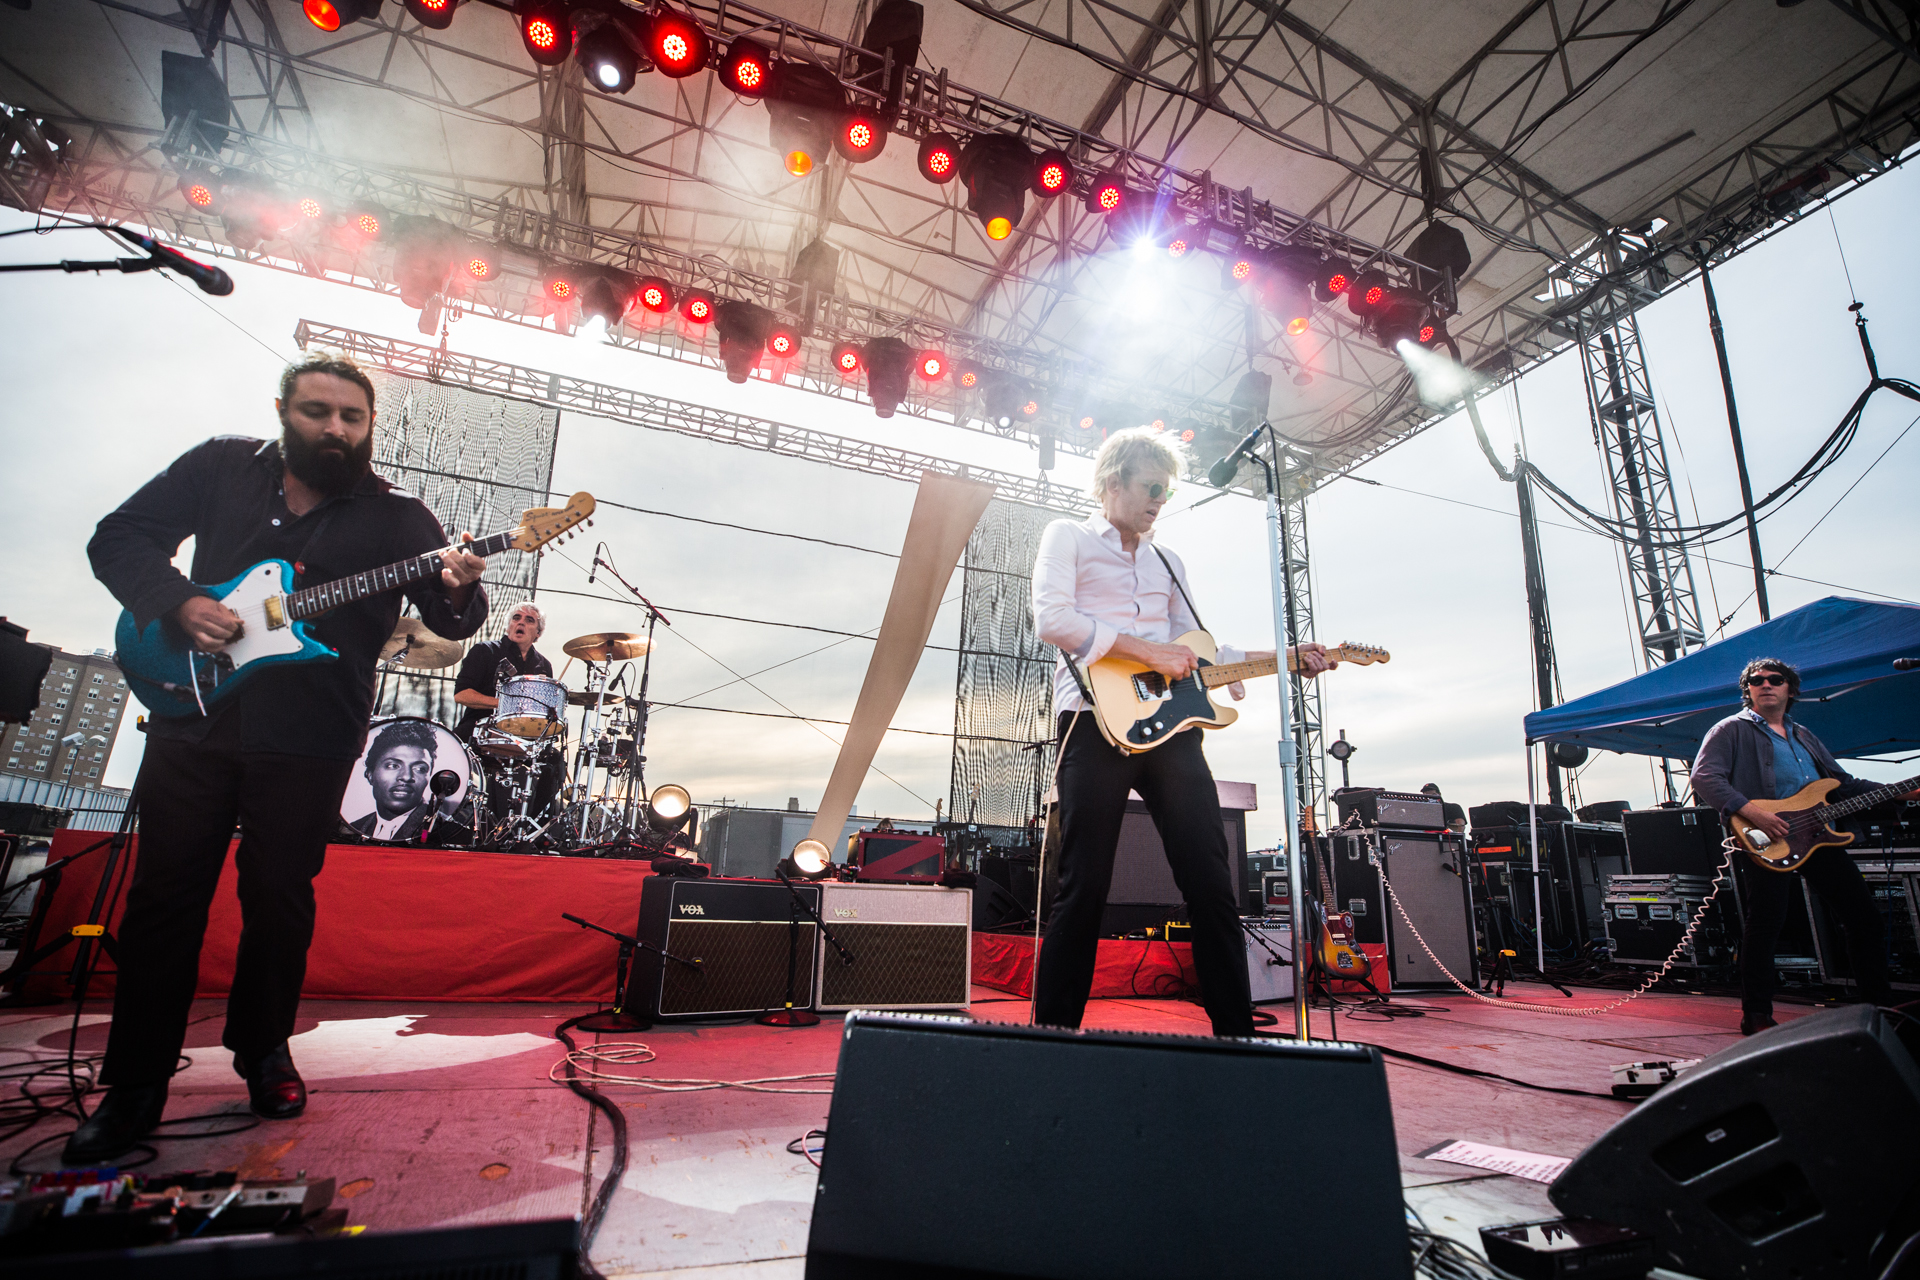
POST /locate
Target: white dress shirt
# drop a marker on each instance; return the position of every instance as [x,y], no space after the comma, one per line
[1088,592]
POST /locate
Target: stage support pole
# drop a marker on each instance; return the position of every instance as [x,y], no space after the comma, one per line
[1289,756]
[1739,448]
[1533,840]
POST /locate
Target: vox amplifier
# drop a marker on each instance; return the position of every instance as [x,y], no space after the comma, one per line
[912,947]
[741,933]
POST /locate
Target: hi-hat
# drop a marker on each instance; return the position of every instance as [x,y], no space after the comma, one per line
[603,646]
[412,645]
[589,698]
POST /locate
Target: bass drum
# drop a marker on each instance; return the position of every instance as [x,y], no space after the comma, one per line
[400,792]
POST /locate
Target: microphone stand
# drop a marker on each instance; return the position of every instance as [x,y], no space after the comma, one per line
[618,1019]
[646,671]
[791,1016]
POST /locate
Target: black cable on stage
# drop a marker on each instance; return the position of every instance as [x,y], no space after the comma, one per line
[617,1169]
[1458,1069]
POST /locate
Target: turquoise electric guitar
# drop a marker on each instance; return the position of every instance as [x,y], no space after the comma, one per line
[174,679]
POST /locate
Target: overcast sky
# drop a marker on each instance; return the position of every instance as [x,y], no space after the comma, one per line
[108,378]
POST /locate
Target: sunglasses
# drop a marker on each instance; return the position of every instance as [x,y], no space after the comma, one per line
[1155,492]
[1766,679]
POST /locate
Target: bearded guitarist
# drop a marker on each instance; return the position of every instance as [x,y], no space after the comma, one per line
[274,756]
[1101,587]
[1760,753]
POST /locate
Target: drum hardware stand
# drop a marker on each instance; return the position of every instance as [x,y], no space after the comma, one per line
[618,1019]
[791,1016]
[639,767]
[81,974]
[443,784]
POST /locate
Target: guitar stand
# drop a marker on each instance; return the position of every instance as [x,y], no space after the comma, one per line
[618,1018]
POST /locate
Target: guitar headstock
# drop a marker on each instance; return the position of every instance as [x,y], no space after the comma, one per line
[1360,655]
[541,525]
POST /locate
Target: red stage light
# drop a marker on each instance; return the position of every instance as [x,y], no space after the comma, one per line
[1186,437]
[1177,249]
[1030,408]
[1337,283]
[481,267]
[860,139]
[656,295]
[677,44]
[1297,326]
[969,378]
[199,195]
[939,158]
[1052,173]
[748,68]
[368,223]
[1107,196]
[1426,333]
[547,31]
[1242,268]
[846,359]
[1086,422]
[560,289]
[1375,296]
[781,344]
[933,366]
[697,307]
[321,14]
[310,207]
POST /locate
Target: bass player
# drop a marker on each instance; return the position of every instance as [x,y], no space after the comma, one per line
[273,758]
[1101,586]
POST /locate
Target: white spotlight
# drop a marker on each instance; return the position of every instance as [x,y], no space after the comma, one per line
[1439,380]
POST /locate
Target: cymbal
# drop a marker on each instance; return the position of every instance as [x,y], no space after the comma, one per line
[422,650]
[588,698]
[601,646]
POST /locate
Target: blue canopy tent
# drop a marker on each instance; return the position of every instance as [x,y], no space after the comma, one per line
[1850,694]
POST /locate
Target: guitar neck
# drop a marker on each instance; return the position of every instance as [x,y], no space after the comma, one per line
[1227,672]
[311,602]
[1868,799]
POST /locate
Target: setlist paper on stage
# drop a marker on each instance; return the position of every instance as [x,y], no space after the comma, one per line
[1520,1164]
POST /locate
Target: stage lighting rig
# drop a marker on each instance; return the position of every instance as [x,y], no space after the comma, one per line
[1052,173]
[889,364]
[939,158]
[331,15]
[1367,294]
[608,295]
[996,169]
[806,107]
[782,343]
[1403,316]
[967,375]
[697,307]
[669,808]
[893,37]
[931,366]
[252,210]
[1007,399]
[861,137]
[200,189]
[748,68]
[546,28]
[1332,279]
[1441,249]
[1238,266]
[436,15]
[810,860]
[424,258]
[607,53]
[1286,292]
[479,263]
[559,286]
[677,43]
[744,329]
[1108,194]
[847,360]
[655,295]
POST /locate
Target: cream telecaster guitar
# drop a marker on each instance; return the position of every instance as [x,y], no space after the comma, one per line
[1138,709]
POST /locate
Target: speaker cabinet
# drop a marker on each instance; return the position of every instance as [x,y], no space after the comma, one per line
[912,947]
[1787,1155]
[1428,869]
[1269,959]
[1116,1156]
[739,930]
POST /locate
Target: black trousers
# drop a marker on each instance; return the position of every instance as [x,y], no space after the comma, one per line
[1178,787]
[1766,895]
[190,796]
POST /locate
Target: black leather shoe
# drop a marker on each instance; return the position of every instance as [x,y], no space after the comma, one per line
[1752,1024]
[274,1089]
[127,1114]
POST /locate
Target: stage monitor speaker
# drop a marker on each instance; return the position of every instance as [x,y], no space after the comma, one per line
[739,930]
[1269,958]
[1682,842]
[1428,872]
[912,947]
[1788,1155]
[975,1149]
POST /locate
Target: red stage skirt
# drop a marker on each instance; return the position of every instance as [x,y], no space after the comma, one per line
[406,924]
[1123,967]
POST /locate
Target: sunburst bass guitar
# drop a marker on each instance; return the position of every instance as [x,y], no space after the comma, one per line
[174,679]
[1808,819]
[1137,708]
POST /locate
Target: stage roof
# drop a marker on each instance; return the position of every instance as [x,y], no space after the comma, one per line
[1850,695]
[1553,133]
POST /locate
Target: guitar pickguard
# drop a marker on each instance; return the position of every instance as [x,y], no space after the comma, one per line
[1182,706]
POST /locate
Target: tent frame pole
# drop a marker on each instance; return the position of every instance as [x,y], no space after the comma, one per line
[1533,844]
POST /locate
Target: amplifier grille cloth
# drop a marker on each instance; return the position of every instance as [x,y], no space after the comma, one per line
[743,967]
[897,964]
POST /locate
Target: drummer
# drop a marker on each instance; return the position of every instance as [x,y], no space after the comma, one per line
[491,661]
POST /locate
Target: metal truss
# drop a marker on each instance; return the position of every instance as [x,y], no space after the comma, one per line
[661,413]
[1296,480]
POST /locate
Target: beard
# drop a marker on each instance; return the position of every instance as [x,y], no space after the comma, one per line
[327,467]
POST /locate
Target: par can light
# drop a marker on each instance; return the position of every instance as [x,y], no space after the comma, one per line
[748,68]
[939,158]
[546,29]
[677,44]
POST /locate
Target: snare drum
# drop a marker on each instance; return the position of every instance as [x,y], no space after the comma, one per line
[531,707]
[390,794]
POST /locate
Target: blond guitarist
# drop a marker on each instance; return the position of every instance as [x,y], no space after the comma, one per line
[1101,587]
[1762,754]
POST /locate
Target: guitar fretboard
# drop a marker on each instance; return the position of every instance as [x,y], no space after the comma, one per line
[311,602]
[1228,672]
[1868,799]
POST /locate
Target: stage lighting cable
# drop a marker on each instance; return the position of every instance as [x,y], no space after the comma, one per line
[586,1064]
[597,1210]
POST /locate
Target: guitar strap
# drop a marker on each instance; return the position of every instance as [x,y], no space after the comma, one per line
[1180,586]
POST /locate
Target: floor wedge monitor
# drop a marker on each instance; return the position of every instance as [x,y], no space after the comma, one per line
[1788,1155]
[973,1149]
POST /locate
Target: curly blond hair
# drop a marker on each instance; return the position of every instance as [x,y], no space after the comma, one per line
[1127,453]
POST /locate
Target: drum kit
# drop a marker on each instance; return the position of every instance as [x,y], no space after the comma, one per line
[524,783]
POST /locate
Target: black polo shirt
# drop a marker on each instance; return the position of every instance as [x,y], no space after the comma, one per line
[226,495]
[486,664]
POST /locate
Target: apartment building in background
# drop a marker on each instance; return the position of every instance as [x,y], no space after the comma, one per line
[84,693]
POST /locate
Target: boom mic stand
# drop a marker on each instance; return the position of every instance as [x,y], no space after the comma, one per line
[646,671]
[618,1019]
[792,1016]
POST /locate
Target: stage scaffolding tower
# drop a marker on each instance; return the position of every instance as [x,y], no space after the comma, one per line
[1627,433]
[1311,780]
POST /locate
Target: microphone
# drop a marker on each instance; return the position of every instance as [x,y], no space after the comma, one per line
[1221,474]
[1905,664]
[596,569]
[210,279]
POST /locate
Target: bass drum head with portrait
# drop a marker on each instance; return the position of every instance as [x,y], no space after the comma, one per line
[401,756]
